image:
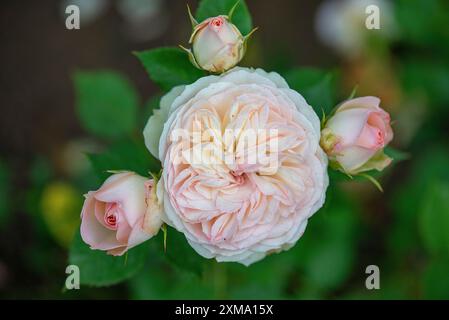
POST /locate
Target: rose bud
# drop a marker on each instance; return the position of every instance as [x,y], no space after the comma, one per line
[123,213]
[217,44]
[355,136]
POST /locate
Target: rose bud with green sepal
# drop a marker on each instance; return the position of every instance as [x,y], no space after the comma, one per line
[217,44]
[355,136]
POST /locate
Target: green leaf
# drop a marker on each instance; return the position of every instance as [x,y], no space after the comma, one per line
[169,67]
[99,269]
[434,219]
[317,87]
[180,253]
[241,17]
[107,103]
[125,155]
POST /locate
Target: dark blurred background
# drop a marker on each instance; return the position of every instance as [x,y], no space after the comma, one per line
[43,171]
[39,54]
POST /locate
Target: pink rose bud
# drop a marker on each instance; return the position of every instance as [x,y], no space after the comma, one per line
[355,136]
[123,213]
[217,44]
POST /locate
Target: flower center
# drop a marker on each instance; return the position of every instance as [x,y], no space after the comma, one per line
[111,220]
[239,177]
[217,22]
[380,138]
[110,217]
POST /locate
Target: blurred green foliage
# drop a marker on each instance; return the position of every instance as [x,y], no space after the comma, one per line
[317,86]
[405,230]
[106,103]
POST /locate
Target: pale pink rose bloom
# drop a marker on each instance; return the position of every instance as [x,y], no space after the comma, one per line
[239,211]
[123,213]
[358,131]
[217,44]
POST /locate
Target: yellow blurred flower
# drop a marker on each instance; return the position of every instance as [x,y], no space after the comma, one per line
[61,204]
